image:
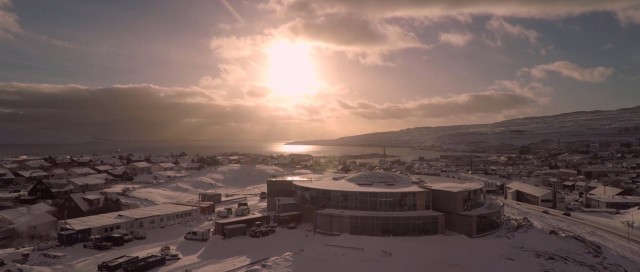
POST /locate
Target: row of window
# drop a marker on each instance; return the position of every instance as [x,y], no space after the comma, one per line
[363,201]
[378,225]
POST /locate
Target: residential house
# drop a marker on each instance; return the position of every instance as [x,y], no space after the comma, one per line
[51,189]
[120,173]
[37,164]
[32,175]
[139,168]
[86,204]
[6,177]
[194,166]
[85,184]
[101,168]
[58,173]
[80,172]
[81,161]
[163,166]
[27,225]
[522,192]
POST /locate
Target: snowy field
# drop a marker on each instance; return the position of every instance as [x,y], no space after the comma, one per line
[529,248]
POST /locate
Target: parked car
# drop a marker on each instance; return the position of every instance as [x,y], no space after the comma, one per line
[259,230]
[566,214]
[115,239]
[46,245]
[138,235]
[243,204]
[545,211]
[126,235]
[198,235]
[96,242]
[263,195]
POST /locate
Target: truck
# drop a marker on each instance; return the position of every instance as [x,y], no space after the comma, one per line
[96,242]
[243,204]
[235,230]
[144,264]
[116,263]
[242,211]
[198,235]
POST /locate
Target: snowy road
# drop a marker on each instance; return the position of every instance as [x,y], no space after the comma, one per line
[603,234]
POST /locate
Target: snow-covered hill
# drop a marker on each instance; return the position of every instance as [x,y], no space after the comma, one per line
[621,124]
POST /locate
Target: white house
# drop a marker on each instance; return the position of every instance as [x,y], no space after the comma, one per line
[80,172]
[163,166]
[84,184]
[138,168]
[29,224]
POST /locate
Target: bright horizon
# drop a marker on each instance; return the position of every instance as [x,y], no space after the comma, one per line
[303,69]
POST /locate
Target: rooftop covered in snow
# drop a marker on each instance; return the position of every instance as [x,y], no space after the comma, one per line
[374,181]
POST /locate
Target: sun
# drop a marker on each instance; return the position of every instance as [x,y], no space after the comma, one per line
[291,70]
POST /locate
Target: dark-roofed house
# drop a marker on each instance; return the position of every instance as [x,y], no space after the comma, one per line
[163,166]
[138,168]
[85,184]
[101,168]
[526,193]
[6,177]
[50,189]
[33,174]
[120,173]
[58,173]
[85,204]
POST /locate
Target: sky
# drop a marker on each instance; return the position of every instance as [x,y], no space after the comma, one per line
[306,69]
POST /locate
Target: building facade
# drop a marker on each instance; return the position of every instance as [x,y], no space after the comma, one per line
[383,204]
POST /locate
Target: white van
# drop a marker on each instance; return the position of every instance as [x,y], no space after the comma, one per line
[198,235]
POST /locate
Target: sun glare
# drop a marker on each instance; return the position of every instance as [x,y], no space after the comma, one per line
[291,70]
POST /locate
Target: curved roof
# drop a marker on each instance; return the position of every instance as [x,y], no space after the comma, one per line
[362,181]
[378,177]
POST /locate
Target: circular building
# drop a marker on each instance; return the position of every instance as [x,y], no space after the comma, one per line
[377,203]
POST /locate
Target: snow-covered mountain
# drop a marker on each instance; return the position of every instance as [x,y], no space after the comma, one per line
[620,124]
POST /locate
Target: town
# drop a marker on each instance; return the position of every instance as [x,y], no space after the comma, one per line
[100,201]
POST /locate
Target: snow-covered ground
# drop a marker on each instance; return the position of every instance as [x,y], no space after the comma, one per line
[229,179]
[571,246]
[525,249]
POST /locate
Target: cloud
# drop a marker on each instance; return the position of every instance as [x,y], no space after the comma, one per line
[567,69]
[455,38]
[153,112]
[500,27]
[233,47]
[9,26]
[364,39]
[626,10]
[629,15]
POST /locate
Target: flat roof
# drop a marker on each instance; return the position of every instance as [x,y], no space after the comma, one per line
[451,184]
[529,189]
[112,218]
[379,214]
[618,199]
